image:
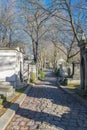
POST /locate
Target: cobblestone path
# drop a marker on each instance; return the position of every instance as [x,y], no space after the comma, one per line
[47,107]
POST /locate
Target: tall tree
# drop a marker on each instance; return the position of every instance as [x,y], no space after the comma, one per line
[34,22]
[72,15]
[7,19]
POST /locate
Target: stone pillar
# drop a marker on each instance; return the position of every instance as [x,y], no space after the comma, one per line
[86,72]
[61,70]
[83,70]
[81,76]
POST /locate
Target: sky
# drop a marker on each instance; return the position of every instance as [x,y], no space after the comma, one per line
[47,1]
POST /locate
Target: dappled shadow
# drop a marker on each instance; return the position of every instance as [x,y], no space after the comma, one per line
[45,83]
[66,106]
[56,97]
[54,94]
[42,117]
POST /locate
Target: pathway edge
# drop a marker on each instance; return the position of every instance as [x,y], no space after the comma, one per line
[74,95]
[8,115]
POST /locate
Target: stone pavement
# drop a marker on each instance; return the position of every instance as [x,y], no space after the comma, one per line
[47,107]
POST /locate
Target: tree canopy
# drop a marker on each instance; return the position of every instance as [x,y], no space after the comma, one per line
[35,23]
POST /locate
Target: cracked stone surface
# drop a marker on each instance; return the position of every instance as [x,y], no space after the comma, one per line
[47,107]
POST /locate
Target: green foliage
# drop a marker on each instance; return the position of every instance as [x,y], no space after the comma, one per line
[57,72]
[33,77]
[21,90]
[2,99]
[42,75]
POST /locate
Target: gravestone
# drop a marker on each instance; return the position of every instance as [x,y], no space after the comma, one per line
[73,73]
[61,70]
[76,75]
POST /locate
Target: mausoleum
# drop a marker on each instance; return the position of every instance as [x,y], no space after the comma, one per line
[11,65]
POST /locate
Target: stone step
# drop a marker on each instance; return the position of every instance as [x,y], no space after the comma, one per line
[6,89]
[7,93]
[6,86]
[5,83]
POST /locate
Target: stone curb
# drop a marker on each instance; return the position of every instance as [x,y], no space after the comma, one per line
[8,115]
[74,95]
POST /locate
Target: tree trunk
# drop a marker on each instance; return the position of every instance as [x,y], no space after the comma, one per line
[10,37]
[73,69]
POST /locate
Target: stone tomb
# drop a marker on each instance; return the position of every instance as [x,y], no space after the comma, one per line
[11,69]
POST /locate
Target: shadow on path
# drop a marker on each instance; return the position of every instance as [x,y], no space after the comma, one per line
[47,89]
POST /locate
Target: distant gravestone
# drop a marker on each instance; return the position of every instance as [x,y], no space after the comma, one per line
[76,75]
[32,68]
[61,70]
